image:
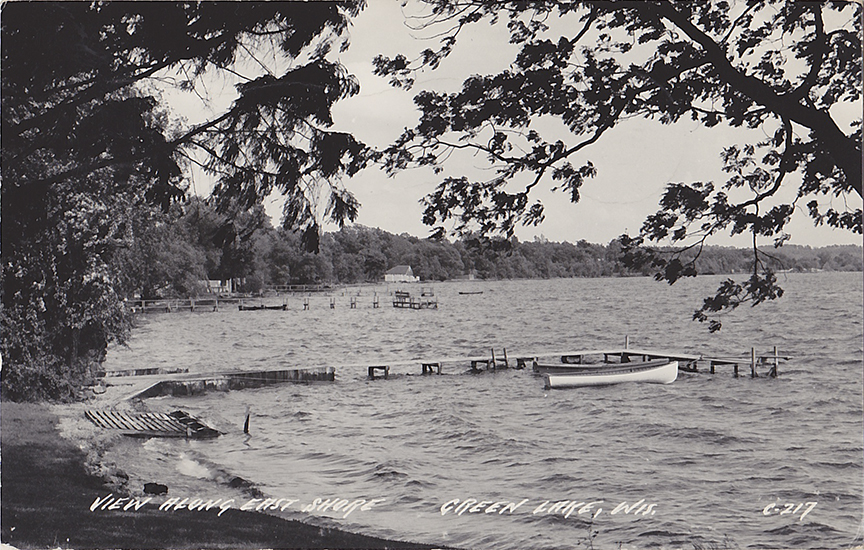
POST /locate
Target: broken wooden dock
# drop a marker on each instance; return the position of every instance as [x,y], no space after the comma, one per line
[184,384]
[754,360]
[150,424]
[402,299]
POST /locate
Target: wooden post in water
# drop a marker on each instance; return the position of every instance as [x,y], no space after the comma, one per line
[306,303]
[626,341]
[493,359]
[375,303]
[776,360]
[753,363]
[333,303]
[506,362]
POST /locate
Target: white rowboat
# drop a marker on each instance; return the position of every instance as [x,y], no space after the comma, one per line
[575,368]
[653,372]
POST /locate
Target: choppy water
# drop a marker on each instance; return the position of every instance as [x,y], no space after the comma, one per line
[709,454]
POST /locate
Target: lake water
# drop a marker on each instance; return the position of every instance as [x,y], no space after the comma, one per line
[709,461]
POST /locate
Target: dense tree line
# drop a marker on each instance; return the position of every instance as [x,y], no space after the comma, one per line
[179,255]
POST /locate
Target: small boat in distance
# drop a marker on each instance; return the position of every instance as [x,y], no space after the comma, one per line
[242,307]
[472,292]
[662,371]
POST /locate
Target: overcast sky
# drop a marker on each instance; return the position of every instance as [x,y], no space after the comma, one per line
[634,161]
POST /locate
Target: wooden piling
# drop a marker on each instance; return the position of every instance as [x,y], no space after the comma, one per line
[522,362]
[494,365]
[353,302]
[430,367]
[383,368]
[626,341]
[306,303]
[753,363]
[332,303]
[375,303]
[506,362]
[775,361]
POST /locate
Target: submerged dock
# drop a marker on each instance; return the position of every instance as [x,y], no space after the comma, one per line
[199,383]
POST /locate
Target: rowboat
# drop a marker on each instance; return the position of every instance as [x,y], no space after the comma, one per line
[658,372]
[610,357]
[242,307]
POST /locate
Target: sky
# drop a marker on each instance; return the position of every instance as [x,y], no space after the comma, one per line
[634,161]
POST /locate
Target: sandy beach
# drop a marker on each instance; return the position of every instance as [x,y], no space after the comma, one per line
[48,490]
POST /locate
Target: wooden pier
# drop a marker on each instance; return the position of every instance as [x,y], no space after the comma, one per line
[301,289]
[754,360]
[201,304]
[403,299]
[147,371]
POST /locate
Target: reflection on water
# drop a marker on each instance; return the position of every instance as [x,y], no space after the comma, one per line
[698,462]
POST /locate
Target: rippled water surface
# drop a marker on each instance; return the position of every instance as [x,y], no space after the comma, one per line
[703,459]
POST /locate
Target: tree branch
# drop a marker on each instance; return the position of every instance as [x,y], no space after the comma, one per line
[845,151]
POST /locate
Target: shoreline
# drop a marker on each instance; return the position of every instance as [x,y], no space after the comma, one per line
[47,494]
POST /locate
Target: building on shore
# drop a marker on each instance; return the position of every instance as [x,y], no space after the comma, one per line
[400,274]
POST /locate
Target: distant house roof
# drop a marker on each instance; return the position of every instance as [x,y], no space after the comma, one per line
[400,270]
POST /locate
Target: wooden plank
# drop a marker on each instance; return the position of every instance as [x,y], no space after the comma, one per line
[128,420]
[108,421]
[162,421]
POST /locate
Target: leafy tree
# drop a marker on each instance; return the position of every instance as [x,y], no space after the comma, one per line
[87,140]
[164,258]
[782,68]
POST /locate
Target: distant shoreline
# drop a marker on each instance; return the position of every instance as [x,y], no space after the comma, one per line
[47,495]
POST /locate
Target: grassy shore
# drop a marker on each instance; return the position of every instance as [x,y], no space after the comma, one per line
[47,493]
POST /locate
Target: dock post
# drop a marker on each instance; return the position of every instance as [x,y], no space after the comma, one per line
[372,370]
[192,304]
[353,302]
[712,367]
[736,370]
[216,304]
[506,362]
[626,341]
[753,363]
[776,360]
[494,366]
[306,303]
[375,303]
[333,303]
[428,367]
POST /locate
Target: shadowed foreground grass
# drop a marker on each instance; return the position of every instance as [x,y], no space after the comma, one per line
[47,493]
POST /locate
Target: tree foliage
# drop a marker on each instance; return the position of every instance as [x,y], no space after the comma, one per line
[88,141]
[783,69]
[357,254]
